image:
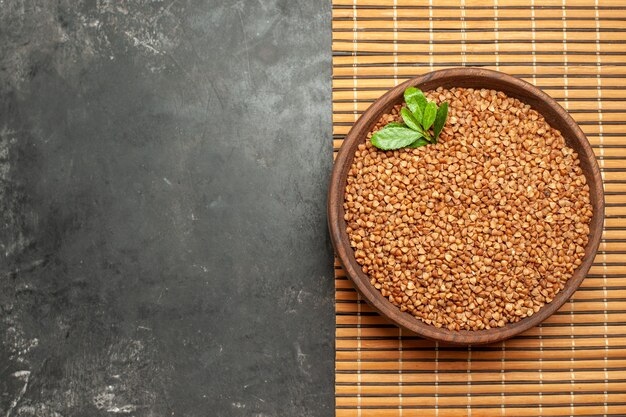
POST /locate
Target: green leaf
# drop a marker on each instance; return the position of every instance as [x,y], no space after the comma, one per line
[394,124]
[409,119]
[440,120]
[429,115]
[416,101]
[394,138]
[418,143]
[418,114]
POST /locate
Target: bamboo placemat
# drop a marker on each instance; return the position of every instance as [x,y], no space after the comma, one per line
[575,363]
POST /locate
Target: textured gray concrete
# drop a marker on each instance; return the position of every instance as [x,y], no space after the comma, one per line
[163,247]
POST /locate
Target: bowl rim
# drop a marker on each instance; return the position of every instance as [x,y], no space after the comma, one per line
[338,180]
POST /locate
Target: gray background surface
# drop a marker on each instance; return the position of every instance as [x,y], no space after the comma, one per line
[163,247]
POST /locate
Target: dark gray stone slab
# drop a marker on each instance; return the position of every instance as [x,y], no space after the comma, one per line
[163,247]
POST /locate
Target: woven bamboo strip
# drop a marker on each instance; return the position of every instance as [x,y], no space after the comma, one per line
[478,46]
[476,3]
[493,355]
[443,16]
[482,36]
[486,376]
[418,366]
[517,343]
[393,332]
[520,411]
[386,83]
[489,400]
[478,389]
[553,86]
[453,23]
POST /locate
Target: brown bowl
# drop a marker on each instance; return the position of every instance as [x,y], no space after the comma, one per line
[554,114]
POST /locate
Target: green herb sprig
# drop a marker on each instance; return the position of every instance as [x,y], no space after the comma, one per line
[419,116]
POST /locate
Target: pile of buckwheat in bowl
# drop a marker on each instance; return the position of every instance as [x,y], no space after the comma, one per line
[475,231]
